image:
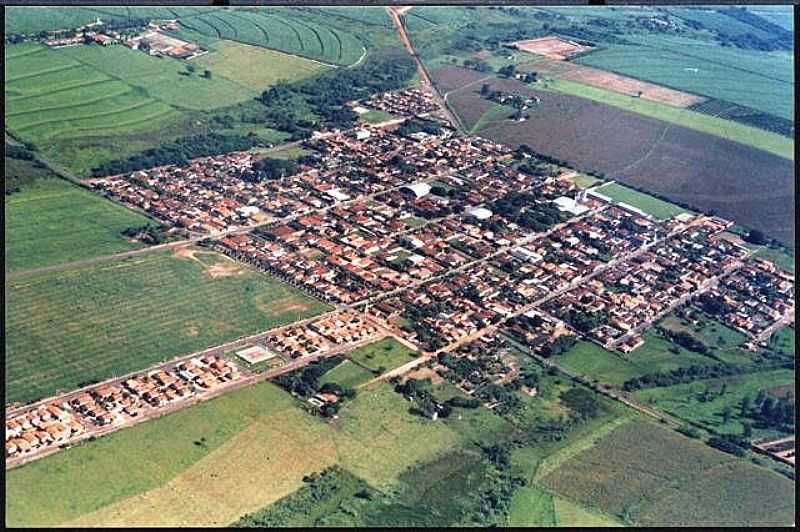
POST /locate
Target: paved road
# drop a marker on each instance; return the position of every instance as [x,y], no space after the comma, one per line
[425,78]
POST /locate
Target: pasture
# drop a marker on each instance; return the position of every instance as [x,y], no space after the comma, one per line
[347,374]
[706,172]
[387,354]
[723,342]
[783,341]
[646,474]
[232,455]
[255,67]
[60,332]
[52,222]
[655,207]
[613,368]
[533,506]
[704,401]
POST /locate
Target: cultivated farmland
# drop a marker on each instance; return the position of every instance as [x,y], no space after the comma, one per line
[53,221]
[750,186]
[648,474]
[59,331]
[278,29]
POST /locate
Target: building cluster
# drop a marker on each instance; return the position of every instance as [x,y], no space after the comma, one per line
[40,428]
[116,403]
[756,296]
[322,335]
[406,102]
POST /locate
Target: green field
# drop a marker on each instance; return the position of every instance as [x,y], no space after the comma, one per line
[655,207]
[281,29]
[783,341]
[230,456]
[533,506]
[759,80]
[649,475]
[25,20]
[597,363]
[782,258]
[375,117]
[701,402]
[727,129]
[723,342]
[387,354]
[52,222]
[60,333]
[255,67]
[347,374]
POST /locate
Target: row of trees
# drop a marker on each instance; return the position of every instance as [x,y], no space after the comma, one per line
[179,152]
[696,372]
[305,383]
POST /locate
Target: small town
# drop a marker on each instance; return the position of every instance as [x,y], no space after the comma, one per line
[450,248]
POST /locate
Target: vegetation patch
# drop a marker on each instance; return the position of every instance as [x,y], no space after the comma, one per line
[382,356]
[60,334]
[653,206]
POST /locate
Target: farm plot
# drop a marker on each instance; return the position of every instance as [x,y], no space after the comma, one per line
[280,29]
[60,332]
[708,173]
[52,222]
[255,67]
[760,80]
[648,474]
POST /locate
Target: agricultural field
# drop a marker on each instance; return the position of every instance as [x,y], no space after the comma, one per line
[705,123]
[387,354]
[24,20]
[535,506]
[653,206]
[705,401]
[52,221]
[59,333]
[705,172]
[646,474]
[755,79]
[281,29]
[255,67]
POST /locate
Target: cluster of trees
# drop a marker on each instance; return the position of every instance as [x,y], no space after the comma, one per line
[729,444]
[179,152]
[780,38]
[325,95]
[305,383]
[584,321]
[410,127]
[269,168]
[560,345]
[713,305]
[477,64]
[148,233]
[581,401]
[425,403]
[523,209]
[687,341]
[770,412]
[494,501]
[693,373]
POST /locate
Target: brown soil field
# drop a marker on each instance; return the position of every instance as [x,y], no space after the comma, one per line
[752,187]
[552,47]
[612,82]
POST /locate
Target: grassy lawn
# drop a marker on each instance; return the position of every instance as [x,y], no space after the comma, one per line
[60,332]
[723,341]
[53,222]
[347,374]
[292,152]
[728,129]
[255,67]
[704,401]
[387,354]
[375,117]
[783,341]
[655,207]
[646,474]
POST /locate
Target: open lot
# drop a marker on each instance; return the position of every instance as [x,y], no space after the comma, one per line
[347,374]
[653,206]
[53,221]
[59,332]
[647,474]
[709,173]
[387,354]
[237,453]
[552,47]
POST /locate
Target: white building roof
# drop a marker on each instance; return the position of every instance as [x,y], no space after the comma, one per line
[565,203]
[419,189]
[481,213]
[337,194]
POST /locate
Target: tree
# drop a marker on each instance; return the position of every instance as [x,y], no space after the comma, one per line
[756,237]
[207,74]
[726,414]
[190,69]
[747,430]
[485,89]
